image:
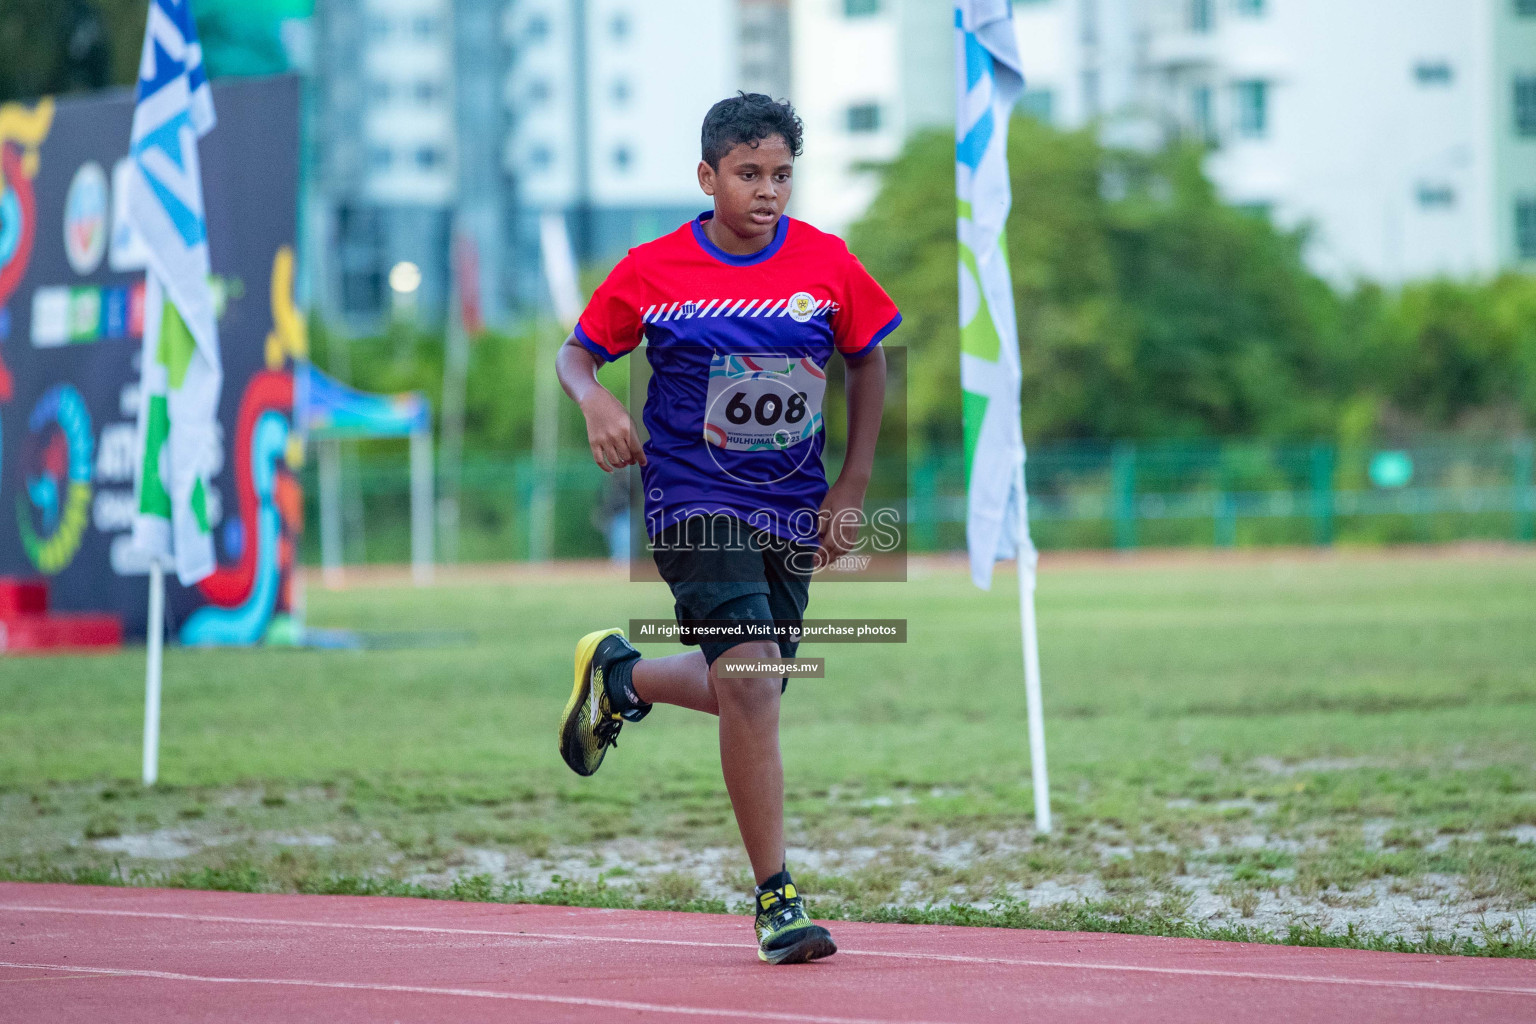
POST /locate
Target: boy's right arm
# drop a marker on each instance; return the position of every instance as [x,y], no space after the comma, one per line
[610,432]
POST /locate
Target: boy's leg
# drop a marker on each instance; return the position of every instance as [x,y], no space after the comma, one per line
[750,760]
[679,679]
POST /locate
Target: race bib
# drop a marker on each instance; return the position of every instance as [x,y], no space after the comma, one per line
[763,402]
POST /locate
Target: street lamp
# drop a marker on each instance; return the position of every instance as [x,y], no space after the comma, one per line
[404,281]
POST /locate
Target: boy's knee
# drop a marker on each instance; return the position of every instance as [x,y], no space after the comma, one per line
[747,693]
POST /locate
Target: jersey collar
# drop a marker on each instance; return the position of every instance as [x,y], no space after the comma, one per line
[766,252]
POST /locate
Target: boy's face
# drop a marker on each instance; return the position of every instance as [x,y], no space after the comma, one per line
[751,188]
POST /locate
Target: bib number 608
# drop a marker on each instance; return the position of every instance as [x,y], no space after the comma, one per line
[767,411]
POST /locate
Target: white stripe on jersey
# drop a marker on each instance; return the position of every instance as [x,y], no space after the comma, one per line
[774,309]
[705,311]
[736,309]
[749,309]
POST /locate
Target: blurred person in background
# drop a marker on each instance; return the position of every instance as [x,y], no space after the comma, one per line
[611,516]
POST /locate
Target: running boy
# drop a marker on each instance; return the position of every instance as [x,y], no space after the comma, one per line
[741,308]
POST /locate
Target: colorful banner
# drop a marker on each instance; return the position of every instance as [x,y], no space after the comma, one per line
[72,318]
[990,81]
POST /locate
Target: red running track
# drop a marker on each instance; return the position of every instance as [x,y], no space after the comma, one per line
[77,953]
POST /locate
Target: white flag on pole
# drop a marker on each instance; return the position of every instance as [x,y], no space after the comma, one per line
[990,81]
[997,506]
[181,370]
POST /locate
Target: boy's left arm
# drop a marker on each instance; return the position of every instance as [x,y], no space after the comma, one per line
[842,511]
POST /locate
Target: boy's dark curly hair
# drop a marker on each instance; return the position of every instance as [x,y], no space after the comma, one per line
[748,118]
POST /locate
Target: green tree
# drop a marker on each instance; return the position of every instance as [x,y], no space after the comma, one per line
[1146,307]
[1448,355]
[61,46]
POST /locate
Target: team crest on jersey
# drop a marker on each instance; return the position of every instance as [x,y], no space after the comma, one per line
[801,306]
[689,309]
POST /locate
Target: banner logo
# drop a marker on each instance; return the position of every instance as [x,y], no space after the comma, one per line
[22,132]
[55,503]
[85,219]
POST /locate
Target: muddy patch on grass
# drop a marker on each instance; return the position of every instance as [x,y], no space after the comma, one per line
[1229,863]
[1217,886]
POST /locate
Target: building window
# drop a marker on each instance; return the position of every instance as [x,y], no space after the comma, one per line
[1202,15]
[1250,8]
[380,158]
[1525,105]
[425,26]
[860,8]
[1436,196]
[537,29]
[538,91]
[1432,73]
[622,158]
[1525,228]
[426,91]
[1202,113]
[621,92]
[1252,109]
[539,158]
[1091,94]
[1038,103]
[619,26]
[429,158]
[362,291]
[864,117]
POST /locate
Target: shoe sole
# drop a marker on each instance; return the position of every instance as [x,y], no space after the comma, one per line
[571,750]
[812,947]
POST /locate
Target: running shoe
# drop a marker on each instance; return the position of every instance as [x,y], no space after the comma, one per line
[784,934]
[590,725]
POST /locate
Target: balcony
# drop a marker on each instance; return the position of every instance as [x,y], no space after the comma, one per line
[1172,49]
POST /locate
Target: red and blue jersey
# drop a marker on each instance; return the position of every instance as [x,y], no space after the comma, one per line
[738,347]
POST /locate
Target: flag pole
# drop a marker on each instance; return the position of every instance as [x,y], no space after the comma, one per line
[1027,629]
[153,638]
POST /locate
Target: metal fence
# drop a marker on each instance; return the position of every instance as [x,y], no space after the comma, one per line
[1082,495]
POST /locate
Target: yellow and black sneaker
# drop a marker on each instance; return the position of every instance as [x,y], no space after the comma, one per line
[784,934]
[593,717]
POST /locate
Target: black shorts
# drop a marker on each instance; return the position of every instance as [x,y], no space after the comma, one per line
[722,569]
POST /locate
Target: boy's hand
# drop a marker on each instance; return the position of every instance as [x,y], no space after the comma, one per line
[610,432]
[839,522]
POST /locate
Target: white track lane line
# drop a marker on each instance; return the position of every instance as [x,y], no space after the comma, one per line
[472,993]
[1197,972]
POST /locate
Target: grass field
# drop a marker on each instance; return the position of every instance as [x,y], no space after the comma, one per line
[1335,749]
